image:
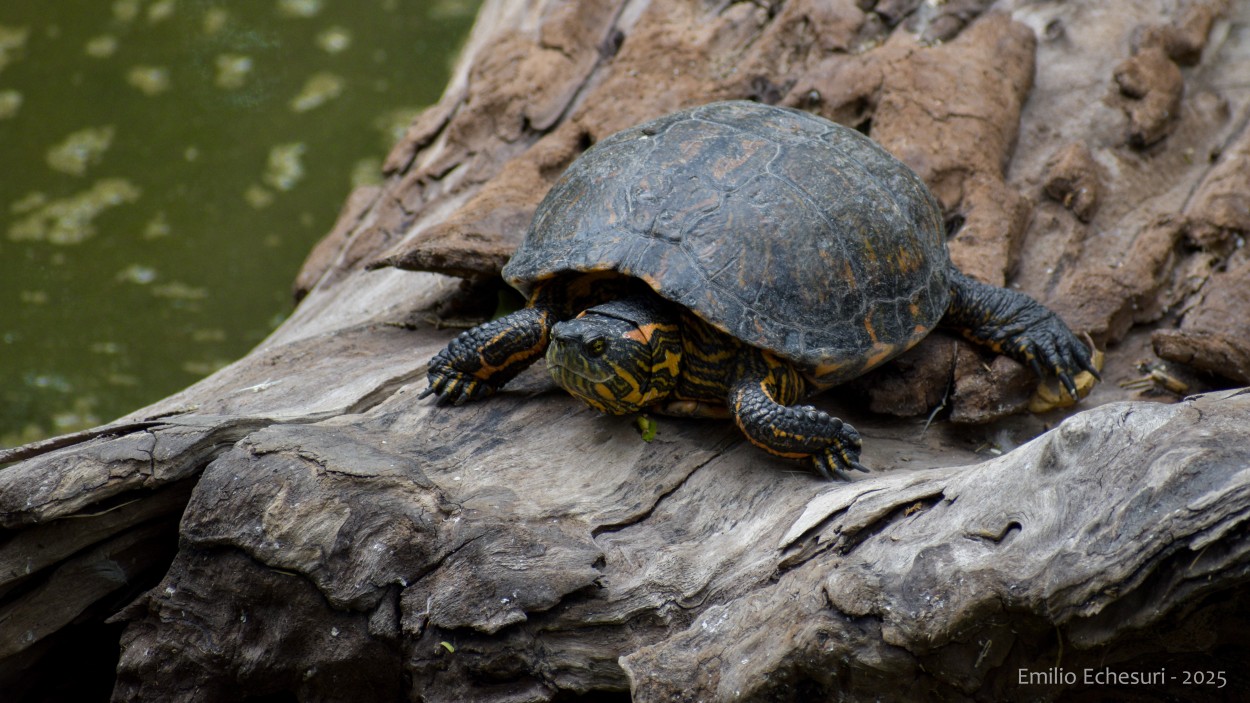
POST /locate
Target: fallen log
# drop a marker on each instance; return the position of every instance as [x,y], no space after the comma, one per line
[300,524]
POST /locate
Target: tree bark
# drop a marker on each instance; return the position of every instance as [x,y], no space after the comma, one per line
[300,523]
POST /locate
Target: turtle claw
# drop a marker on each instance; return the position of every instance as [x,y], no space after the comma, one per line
[1091,362]
[841,456]
[453,387]
[1075,376]
[836,470]
[1068,384]
[1049,346]
[1037,367]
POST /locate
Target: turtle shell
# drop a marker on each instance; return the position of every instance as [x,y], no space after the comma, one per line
[785,230]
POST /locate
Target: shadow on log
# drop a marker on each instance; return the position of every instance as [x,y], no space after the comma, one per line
[299,524]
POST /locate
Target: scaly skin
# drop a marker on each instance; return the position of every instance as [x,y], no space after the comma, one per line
[481,360]
[1012,323]
[759,400]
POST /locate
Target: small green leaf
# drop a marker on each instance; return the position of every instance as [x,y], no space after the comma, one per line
[448,647]
[647,426]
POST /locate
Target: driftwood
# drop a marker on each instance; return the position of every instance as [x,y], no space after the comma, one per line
[299,523]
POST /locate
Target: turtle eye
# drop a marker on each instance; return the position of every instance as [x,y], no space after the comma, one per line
[596,346]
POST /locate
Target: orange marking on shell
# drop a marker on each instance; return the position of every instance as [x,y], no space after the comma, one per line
[872,333]
[829,368]
[583,286]
[650,281]
[880,352]
[725,165]
[908,262]
[870,253]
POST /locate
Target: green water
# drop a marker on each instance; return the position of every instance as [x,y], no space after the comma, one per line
[165,166]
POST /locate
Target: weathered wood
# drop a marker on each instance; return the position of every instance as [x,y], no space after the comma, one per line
[954,576]
[343,541]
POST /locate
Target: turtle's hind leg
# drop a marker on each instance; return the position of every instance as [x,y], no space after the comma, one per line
[481,360]
[1012,323]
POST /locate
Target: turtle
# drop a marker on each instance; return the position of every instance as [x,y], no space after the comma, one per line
[730,260]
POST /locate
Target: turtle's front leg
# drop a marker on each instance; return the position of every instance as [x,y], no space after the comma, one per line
[757,401]
[481,360]
[1012,323]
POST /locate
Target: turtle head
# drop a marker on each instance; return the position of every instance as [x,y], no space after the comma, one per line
[619,357]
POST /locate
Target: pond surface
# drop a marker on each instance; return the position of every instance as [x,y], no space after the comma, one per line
[167,166]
